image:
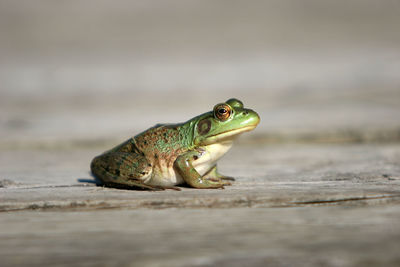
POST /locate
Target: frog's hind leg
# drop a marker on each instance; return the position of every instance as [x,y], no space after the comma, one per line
[123,170]
[213,175]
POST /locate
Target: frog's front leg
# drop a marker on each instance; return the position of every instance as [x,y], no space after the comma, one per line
[214,175]
[184,165]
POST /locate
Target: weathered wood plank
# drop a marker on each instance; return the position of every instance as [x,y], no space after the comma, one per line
[307,236]
[267,176]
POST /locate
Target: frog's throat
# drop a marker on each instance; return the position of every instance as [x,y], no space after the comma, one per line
[224,136]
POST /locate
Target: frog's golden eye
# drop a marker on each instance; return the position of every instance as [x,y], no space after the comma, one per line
[222,111]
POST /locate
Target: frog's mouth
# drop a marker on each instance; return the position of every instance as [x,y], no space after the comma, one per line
[227,135]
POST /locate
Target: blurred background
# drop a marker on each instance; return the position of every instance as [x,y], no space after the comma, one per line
[93,71]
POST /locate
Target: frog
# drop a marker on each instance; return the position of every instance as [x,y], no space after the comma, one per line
[168,155]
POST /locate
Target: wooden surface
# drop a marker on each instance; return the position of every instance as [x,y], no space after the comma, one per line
[267,176]
[325,194]
[318,181]
[303,236]
[293,204]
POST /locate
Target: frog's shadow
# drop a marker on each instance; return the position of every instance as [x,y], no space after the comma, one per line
[94,180]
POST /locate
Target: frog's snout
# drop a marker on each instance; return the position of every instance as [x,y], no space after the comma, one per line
[251,117]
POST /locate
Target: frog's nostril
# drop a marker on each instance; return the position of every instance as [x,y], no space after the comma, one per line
[245,112]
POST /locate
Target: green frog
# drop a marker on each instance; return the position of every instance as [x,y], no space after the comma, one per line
[167,155]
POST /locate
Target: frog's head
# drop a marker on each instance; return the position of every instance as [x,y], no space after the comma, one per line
[224,123]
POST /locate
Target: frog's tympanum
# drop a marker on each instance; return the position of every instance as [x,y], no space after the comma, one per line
[172,154]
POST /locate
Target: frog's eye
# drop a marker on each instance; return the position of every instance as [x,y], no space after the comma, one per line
[222,111]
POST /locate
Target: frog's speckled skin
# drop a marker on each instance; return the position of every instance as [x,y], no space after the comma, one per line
[167,155]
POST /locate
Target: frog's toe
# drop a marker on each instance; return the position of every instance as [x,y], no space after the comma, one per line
[214,175]
[133,186]
[228,178]
[216,186]
[155,188]
[168,187]
[175,188]
[218,181]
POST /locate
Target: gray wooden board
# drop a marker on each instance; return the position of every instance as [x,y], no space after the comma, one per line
[66,96]
[301,236]
[292,204]
[267,175]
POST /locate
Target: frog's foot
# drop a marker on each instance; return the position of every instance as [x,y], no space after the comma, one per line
[227,178]
[213,175]
[167,187]
[184,166]
[219,181]
[135,186]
